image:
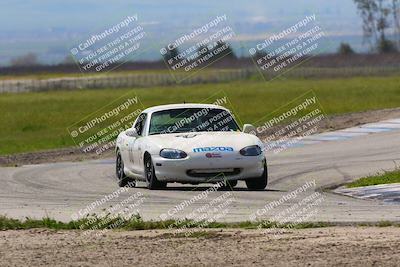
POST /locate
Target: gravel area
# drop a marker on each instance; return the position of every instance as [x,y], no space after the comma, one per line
[334,246]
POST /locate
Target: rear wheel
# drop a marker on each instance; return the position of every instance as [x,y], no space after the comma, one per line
[258,183]
[123,180]
[151,179]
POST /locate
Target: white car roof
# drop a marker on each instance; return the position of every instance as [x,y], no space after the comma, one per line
[176,106]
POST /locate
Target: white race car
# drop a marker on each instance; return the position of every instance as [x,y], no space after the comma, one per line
[190,143]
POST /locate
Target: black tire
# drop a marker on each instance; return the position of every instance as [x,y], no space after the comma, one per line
[228,185]
[123,180]
[259,183]
[232,183]
[151,179]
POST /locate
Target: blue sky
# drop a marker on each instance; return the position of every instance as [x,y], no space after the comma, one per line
[50,27]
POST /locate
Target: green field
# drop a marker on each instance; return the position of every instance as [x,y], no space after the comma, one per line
[385,178]
[39,121]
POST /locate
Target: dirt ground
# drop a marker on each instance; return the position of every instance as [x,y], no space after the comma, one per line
[336,122]
[335,246]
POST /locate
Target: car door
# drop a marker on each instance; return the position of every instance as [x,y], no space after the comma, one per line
[134,149]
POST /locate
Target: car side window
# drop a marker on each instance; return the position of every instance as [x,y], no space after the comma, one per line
[140,123]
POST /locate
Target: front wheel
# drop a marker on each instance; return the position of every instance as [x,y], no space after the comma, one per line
[259,183]
[123,180]
[151,179]
[229,185]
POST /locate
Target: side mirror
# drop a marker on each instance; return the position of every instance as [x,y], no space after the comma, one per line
[250,129]
[131,132]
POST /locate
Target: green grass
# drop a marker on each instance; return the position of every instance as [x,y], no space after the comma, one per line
[385,178]
[39,121]
[135,222]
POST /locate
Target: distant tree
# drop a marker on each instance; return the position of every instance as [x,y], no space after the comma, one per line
[200,52]
[202,49]
[171,53]
[396,19]
[345,49]
[29,59]
[386,46]
[260,54]
[378,16]
[257,54]
[224,50]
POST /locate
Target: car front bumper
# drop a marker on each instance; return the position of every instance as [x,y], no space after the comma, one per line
[200,169]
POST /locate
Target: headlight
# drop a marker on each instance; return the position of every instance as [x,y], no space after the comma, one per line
[172,153]
[251,151]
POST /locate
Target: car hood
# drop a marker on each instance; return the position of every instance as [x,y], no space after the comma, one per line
[201,141]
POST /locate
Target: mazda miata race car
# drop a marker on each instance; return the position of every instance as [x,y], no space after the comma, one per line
[190,143]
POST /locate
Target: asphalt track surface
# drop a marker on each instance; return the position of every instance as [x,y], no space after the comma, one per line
[61,190]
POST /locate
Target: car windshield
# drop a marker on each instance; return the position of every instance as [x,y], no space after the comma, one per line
[191,120]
